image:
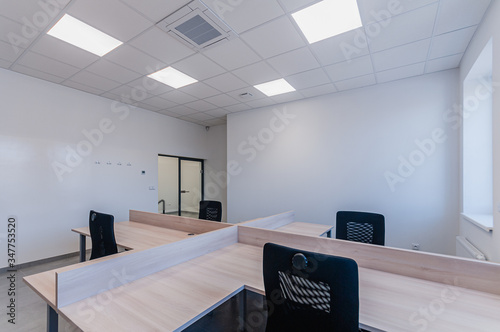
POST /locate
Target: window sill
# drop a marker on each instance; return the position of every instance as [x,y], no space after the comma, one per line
[483,221]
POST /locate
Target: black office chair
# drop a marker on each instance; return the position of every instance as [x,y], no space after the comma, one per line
[361,227]
[102,234]
[308,291]
[210,210]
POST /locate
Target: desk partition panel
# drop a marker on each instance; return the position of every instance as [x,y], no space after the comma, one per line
[78,284]
[454,271]
[271,222]
[190,225]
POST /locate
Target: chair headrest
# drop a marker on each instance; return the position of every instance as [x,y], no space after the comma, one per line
[299,261]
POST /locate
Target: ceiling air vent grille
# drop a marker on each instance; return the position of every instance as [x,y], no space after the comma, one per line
[196,26]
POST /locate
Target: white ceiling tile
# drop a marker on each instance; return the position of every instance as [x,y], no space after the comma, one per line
[37,74]
[135,60]
[82,87]
[355,83]
[201,105]
[257,73]
[12,32]
[5,63]
[7,52]
[148,107]
[200,90]
[47,65]
[112,17]
[237,108]
[349,69]
[401,56]
[293,5]
[199,67]
[256,94]
[150,85]
[451,43]
[181,110]
[260,102]
[178,97]
[273,38]
[382,10]
[34,14]
[226,82]
[287,97]
[159,102]
[162,46]
[232,54]
[219,112]
[168,113]
[155,10]
[201,116]
[93,80]
[308,79]
[344,47]
[458,14]
[402,29]
[401,72]
[64,52]
[131,94]
[111,96]
[222,100]
[112,71]
[242,15]
[319,90]
[445,63]
[293,62]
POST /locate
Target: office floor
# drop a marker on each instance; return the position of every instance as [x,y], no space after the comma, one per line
[31,310]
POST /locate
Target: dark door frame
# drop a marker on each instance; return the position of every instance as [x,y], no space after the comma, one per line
[179,159]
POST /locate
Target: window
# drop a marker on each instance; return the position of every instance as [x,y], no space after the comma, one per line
[477,141]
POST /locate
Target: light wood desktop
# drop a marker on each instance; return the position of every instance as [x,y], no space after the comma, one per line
[169,287]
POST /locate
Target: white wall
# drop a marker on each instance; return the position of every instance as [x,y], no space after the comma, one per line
[40,121]
[487,242]
[331,153]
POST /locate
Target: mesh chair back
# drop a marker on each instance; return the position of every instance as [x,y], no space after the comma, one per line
[102,234]
[210,210]
[322,295]
[361,227]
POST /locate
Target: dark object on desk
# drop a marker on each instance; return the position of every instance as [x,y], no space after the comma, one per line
[361,227]
[210,210]
[308,291]
[102,234]
[243,312]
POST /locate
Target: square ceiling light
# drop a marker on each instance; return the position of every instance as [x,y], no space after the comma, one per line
[274,88]
[172,77]
[82,35]
[328,18]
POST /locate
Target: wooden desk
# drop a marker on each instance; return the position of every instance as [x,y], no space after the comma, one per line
[133,235]
[306,228]
[400,290]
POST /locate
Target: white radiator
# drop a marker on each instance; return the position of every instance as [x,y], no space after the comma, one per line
[467,249]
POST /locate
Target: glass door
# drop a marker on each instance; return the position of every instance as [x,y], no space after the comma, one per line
[190,193]
[180,185]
